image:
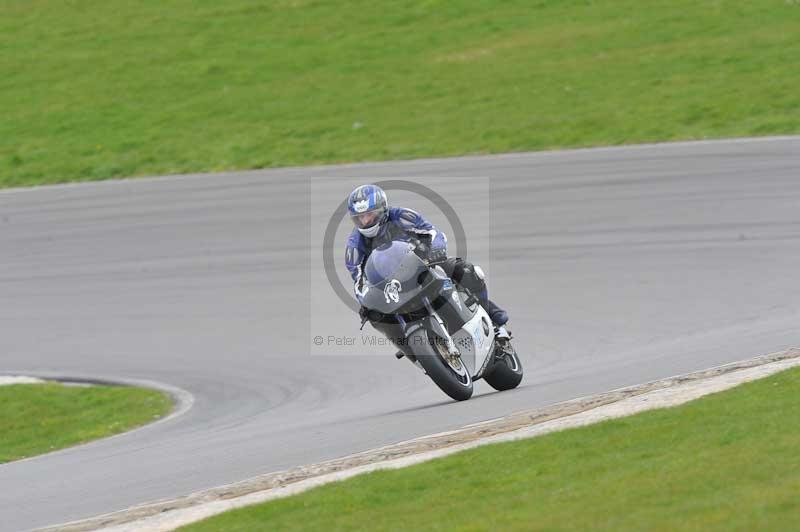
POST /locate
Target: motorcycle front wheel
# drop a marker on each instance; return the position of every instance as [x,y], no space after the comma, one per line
[449,373]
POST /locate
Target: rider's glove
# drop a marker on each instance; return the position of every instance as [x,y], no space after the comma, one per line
[422,250]
[437,256]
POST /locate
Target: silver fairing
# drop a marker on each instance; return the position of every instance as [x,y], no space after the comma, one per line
[475,341]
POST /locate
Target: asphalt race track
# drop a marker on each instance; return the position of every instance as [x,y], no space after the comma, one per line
[618,266]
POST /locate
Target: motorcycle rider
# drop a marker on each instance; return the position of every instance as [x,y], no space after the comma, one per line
[376,224]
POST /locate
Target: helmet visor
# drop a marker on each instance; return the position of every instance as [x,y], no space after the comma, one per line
[365,220]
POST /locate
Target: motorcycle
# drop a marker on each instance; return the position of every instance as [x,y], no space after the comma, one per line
[445,330]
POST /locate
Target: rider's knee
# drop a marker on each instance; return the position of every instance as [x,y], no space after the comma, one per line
[473,277]
[468,275]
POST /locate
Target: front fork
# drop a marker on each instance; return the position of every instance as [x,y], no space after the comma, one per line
[437,326]
[441,329]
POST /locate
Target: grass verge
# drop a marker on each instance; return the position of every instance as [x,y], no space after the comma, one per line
[93,90]
[39,418]
[725,462]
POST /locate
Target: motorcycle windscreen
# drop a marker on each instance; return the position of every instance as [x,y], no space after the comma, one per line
[393,277]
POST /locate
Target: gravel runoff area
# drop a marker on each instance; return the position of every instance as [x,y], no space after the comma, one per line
[168,515]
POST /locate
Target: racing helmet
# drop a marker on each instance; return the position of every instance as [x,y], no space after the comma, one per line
[368,209]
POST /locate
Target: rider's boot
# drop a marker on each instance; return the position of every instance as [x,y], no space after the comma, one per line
[501,333]
[503,341]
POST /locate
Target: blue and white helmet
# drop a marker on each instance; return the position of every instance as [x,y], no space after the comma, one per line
[368,209]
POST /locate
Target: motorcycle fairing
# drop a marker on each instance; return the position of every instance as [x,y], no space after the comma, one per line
[475,341]
[395,277]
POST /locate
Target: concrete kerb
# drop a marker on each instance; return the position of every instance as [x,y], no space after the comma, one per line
[169,514]
[182,400]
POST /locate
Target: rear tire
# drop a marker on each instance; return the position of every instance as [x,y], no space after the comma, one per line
[458,385]
[506,373]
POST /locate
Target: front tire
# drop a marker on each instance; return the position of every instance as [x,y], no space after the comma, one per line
[506,373]
[454,381]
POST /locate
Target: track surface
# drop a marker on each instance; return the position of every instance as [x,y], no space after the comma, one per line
[618,266]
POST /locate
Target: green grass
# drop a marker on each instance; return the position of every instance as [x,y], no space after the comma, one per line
[726,462]
[39,418]
[93,90]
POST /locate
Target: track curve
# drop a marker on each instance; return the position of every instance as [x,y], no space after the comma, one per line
[618,265]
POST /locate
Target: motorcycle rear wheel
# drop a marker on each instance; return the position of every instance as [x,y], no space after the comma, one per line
[506,373]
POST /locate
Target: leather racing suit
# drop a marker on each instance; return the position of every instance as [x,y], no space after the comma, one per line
[408,225]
